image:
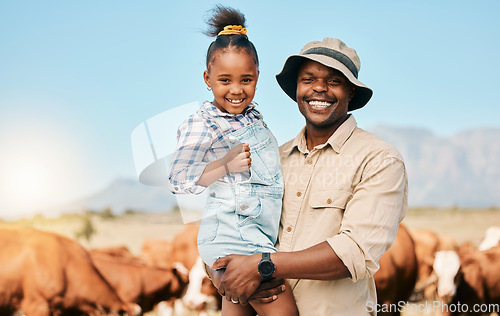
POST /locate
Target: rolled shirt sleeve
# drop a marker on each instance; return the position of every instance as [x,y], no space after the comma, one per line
[372,217]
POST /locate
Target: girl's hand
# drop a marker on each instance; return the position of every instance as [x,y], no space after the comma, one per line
[268,291]
[238,158]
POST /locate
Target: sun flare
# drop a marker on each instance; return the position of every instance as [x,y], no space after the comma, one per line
[38,171]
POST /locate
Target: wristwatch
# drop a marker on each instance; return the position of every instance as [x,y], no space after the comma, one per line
[266,266]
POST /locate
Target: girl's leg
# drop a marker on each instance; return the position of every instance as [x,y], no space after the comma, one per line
[231,309]
[283,306]
[228,307]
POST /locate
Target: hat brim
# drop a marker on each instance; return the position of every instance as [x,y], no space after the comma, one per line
[287,78]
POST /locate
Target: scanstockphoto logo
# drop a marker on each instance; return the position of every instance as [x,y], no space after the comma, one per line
[432,307]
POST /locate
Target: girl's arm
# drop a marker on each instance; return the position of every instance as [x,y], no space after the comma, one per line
[236,160]
[194,140]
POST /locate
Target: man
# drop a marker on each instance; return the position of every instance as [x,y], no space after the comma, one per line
[345,193]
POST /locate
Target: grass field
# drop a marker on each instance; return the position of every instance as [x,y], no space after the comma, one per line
[131,230]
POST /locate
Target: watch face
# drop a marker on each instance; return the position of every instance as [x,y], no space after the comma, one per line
[266,267]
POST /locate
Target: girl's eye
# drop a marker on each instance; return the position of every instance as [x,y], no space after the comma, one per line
[224,80]
[247,80]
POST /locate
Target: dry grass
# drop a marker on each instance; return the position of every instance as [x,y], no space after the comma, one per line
[129,230]
[462,224]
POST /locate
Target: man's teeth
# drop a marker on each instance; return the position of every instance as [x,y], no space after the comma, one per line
[320,104]
[235,101]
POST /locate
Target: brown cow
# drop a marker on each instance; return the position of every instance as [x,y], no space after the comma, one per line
[397,275]
[136,282]
[471,278]
[44,273]
[157,253]
[201,294]
[427,243]
[185,247]
[118,252]
[447,242]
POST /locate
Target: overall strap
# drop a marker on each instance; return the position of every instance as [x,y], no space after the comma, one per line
[256,113]
[222,124]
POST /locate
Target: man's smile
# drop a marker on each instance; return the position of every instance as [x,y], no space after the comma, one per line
[319,104]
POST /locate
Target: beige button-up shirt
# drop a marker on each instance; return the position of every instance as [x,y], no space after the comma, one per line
[351,192]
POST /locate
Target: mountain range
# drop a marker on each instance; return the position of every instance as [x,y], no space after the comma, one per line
[462,170]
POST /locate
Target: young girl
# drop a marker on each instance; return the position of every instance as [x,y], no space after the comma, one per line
[226,148]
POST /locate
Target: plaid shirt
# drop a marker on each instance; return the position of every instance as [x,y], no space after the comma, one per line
[199,142]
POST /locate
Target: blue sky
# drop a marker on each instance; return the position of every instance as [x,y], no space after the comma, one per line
[76,77]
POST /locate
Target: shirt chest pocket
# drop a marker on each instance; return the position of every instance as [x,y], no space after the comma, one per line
[326,213]
[329,199]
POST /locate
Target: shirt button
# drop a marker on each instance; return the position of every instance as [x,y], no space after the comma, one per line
[299,193]
[243,207]
[329,201]
[309,162]
[248,124]
[289,229]
[176,188]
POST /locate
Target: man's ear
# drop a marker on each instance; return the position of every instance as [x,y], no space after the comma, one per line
[206,77]
[353,92]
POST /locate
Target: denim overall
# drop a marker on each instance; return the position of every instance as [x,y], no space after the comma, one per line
[243,218]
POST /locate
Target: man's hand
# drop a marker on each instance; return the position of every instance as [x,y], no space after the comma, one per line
[238,158]
[241,277]
[267,291]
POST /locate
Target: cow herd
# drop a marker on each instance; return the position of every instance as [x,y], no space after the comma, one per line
[423,266]
[45,273]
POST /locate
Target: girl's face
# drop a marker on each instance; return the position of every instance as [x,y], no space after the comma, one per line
[232,75]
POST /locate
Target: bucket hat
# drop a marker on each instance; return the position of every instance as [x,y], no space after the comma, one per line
[332,53]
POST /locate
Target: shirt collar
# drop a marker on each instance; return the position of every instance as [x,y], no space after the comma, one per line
[336,141]
[214,111]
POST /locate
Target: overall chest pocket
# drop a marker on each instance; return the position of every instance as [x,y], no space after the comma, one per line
[266,166]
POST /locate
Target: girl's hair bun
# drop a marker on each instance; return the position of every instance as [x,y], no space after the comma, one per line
[221,17]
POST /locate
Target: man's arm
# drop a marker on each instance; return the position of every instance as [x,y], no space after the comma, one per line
[319,262]
[242,277]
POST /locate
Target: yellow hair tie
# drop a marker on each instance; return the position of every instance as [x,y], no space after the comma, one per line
[233,29]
